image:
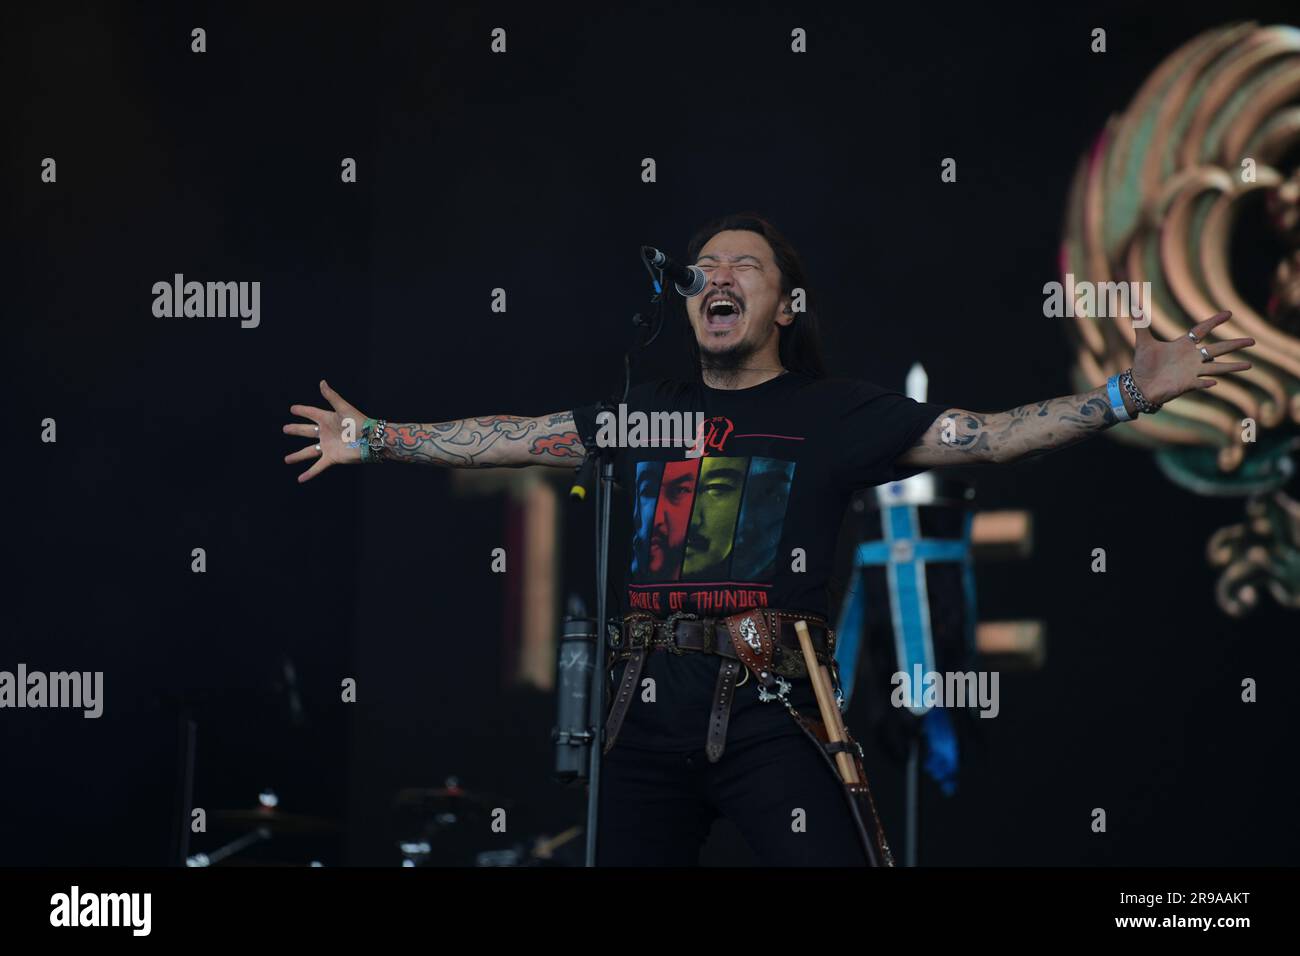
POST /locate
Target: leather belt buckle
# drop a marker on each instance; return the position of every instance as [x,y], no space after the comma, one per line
[670,629]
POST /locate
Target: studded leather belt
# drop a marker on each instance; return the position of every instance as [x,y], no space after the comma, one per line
[761,641]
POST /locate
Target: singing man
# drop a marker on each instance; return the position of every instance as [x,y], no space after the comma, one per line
[711,590]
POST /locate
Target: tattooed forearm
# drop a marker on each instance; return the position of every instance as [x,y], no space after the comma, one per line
[490,441]
[961,437]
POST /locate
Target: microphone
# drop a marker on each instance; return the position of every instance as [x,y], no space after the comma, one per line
[689,280]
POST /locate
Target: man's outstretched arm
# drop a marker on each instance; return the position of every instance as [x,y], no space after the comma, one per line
[961,437]
[490,441]
[1161,371]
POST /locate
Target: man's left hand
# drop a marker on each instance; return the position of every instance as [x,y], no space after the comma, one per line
[1165,370]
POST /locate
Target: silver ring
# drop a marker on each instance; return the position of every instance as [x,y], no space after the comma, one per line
[1205,354]
[1191,334]
[318,449]
[317,427]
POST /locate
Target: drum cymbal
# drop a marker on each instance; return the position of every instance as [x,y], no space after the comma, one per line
[448,800]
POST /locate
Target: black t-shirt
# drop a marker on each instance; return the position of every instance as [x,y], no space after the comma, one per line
[752,522]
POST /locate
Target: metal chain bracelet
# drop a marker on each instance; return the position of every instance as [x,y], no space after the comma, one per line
[1131,389]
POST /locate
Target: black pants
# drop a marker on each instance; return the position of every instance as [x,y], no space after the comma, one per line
[656,808]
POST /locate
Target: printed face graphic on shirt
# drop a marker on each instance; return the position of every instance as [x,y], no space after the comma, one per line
[710,519]
[666,491]
[713,519]
[767,492]
[649,474]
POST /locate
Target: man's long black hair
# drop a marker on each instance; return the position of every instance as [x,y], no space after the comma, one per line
[800,345]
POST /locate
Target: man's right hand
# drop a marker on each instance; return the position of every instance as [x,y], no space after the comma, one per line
[326,434]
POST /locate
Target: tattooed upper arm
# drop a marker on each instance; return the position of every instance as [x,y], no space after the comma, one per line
[956,437]
[556,442]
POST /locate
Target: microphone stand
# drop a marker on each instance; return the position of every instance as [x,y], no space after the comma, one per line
[597,694]
[604,494]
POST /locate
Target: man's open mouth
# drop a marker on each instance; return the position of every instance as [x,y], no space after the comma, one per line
[722,312]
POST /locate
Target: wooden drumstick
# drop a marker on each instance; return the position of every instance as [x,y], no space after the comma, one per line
[838,719]
[825,702]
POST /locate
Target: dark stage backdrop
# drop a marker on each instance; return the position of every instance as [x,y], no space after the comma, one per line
[522,171]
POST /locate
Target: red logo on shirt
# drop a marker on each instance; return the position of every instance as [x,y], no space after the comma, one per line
[712,437]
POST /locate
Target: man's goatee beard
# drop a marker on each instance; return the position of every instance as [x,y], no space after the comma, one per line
[725,366]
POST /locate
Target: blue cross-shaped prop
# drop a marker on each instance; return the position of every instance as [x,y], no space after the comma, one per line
[904,555]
